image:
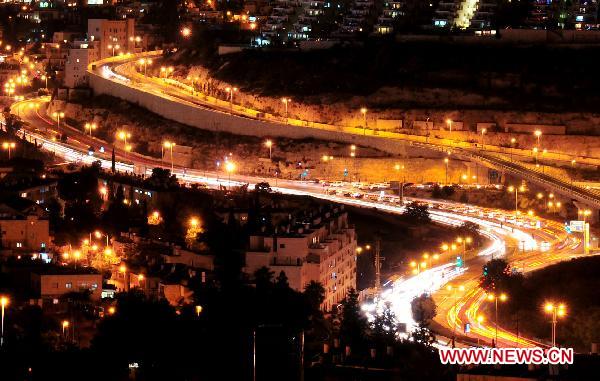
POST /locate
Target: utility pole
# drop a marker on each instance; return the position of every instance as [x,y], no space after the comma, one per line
[378,260]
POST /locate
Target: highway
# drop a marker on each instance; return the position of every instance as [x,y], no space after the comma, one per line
[123,70]
[453,310]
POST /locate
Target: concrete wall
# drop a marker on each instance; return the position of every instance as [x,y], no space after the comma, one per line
[206,119]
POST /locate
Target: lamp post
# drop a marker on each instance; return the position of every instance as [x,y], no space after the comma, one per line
[3,303]
[65,324]
[494,298]
[230,91]
[170,146]
[286,101]
[363,111]
[516,190]
[9,146]
[512,147]
[58,115]
[45,78]
[538,135]
[229,167]
[124,135]
[449,123]
[556,311]
[269,145]
[483,131]
[90,127]
[418,267]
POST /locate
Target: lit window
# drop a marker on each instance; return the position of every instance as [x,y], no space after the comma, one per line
[69,285]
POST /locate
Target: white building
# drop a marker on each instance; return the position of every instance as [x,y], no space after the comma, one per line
[76,64]
[320,248]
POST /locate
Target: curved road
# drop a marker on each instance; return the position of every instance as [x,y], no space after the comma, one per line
[453,310]
[123,70]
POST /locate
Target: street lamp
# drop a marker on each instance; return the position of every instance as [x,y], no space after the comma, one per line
[229,167]
[58,115]
[286,101]
[363,111]
[557,311]
[483,131]
[418,267]
[124,135]
[198,309]
[584,214]
[145,62]
[186,32]
[90,127]
[65,324]
[45,78]
[538,135]
[269,144]
[169,145]
[494,298]
[98,234]
[3,302]
[9,146]
[516,190]
[230,91]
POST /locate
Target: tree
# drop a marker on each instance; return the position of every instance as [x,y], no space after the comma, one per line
[423,309]
[262,187]
[263,278]
[354,323]
[314,294]
[385,327]
[496,274]
[417,212]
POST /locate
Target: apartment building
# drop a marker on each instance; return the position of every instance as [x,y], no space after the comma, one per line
[114,36]
[80,56]
[317,247]
[23,226]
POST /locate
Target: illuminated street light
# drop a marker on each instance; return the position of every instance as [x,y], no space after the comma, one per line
[58,115]
[363,111]
[494,298]
[186,32]
[170,145]
[229,168]
[230,91]
[124,135]
[90,127]
[516,190]
[483,131]
[65,324]
[269,144]
[286,101]
[538,135]
[449,123]
[8,146]
[557,311]
[198,309]
[3,303]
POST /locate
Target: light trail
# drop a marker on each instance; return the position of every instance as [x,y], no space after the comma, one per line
[404,289]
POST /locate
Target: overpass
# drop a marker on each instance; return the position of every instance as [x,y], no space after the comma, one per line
[118,77]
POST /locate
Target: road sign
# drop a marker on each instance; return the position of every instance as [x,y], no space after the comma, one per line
[576,226]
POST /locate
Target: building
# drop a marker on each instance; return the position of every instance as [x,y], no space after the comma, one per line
[113,36]
[320,247]
[52,282]
[76,64]
[23,225]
